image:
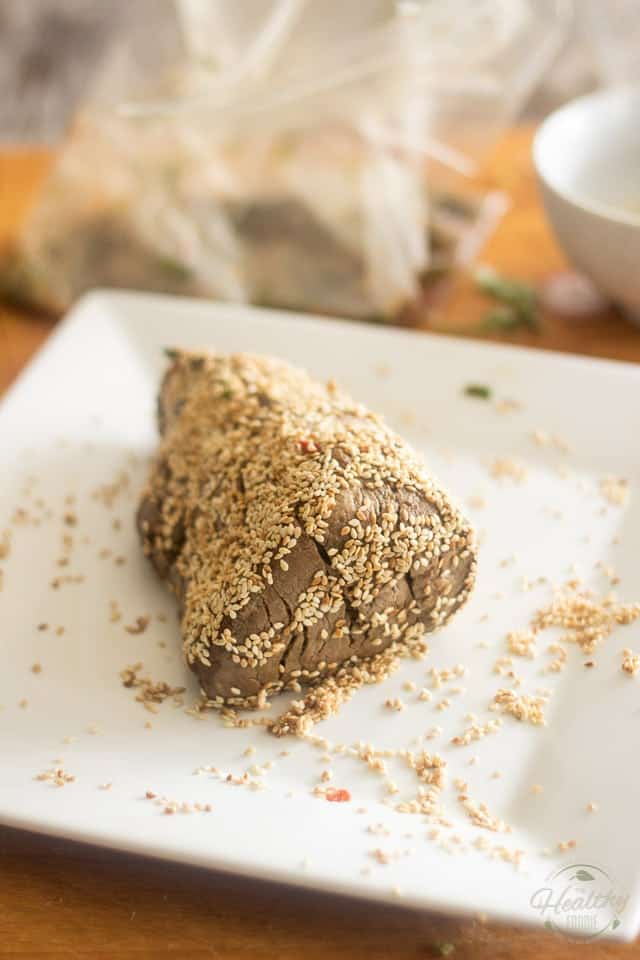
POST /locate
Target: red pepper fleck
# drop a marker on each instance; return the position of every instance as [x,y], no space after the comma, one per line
[337,796]
[309,445]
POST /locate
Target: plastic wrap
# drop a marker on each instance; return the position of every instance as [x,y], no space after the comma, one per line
[282,159]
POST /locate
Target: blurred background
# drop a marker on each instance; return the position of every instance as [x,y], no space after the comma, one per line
[326,157]
[51,50]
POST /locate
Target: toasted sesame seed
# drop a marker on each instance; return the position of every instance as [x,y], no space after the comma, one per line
[506,467]
[394,703]
[139,626]
[322,446]
[630,662]
[615,490]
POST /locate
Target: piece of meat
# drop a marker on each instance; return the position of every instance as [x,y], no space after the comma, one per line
[300,535]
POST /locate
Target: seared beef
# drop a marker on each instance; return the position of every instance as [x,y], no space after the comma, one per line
[299,533]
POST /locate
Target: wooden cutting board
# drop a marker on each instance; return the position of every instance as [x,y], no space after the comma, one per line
[60,899]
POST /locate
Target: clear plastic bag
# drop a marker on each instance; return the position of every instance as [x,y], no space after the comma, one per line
[281,160]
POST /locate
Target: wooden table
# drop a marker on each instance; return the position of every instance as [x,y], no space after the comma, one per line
[64,899]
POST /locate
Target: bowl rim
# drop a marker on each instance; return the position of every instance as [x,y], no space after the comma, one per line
[605,211]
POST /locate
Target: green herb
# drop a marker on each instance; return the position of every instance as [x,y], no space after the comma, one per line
[519,300]
[479,390]
[502,319]
[444,949]
[171,353]
[173,271]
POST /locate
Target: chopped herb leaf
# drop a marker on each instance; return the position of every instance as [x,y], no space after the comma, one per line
[501,319]
[519,299]
[171,353]
[513,292]
[173,271]
[444,949]
[480,390]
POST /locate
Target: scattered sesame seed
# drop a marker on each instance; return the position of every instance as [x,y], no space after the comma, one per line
[56,776]
[394,704]
[476,731]
[615,490]
[565,845]
[149,692]
[140,625]
[507,468]
[522,643]
[380,856]
[586,620]
[478,812]
[521,706]
[630,662]
[507,405]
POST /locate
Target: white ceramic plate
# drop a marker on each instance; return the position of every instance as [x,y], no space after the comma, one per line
[83,412]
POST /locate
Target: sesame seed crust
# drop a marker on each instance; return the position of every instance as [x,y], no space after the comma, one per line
[301,536]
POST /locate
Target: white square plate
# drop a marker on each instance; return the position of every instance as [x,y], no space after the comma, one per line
[82,416]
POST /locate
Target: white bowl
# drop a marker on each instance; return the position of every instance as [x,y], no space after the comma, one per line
[587,155]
